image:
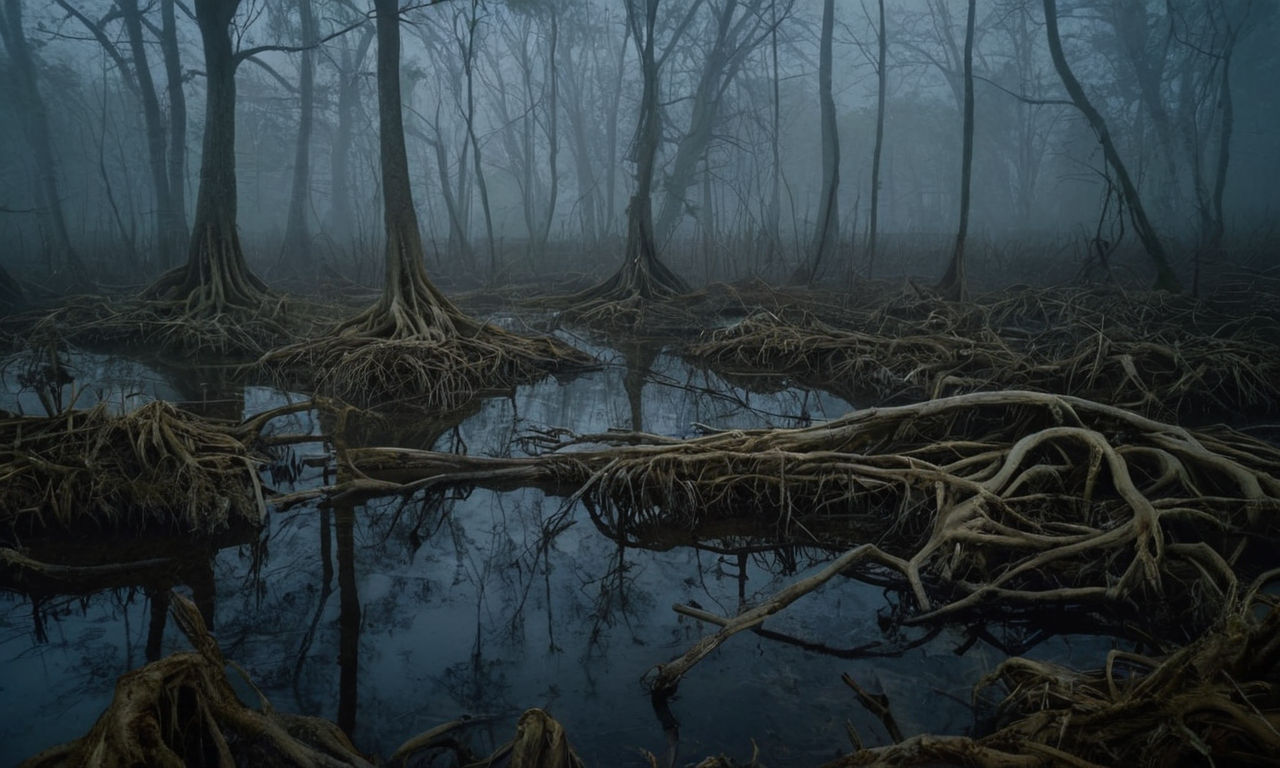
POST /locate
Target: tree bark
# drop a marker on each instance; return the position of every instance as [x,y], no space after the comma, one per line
[410,306]
[177,153]
[1165,277]
[642,273]
[954,284]
[215,276]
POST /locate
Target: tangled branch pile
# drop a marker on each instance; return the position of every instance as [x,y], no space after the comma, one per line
[182,710]
[1213,701]
[91,471]
[981,502]
[1158,354]
[174,327]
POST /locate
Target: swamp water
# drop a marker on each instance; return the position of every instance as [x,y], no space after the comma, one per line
[391,618]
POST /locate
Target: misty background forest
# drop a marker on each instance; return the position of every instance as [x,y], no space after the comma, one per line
[450,383]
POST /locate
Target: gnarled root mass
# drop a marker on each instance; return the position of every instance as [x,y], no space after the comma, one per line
[986,502]
[1151,353]
[91,471]
[1213,701]
[183,711]
[425,354]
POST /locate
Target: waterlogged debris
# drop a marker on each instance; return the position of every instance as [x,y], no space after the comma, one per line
[183,711]
[1214,701]
[1152,353]
[93,472]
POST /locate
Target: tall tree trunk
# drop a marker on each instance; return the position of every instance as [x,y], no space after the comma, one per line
[410,306]
[177,152]
[469,65]
[881,78]
[828,231]
[62,258]
[553,133]
[734,38]
[297,235]
[1165,277]
[775,188]
[642,274]
[954,284]
[215,276]
[170,224]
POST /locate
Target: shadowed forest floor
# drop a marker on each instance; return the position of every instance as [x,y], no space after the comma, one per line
[990,482]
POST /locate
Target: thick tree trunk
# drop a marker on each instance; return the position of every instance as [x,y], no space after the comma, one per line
[35,123]
[1165,277]
[215,276]
[828,231]
[953,285]
[642,273]
[177,153]
[410,306]
[297,234]
[882,78]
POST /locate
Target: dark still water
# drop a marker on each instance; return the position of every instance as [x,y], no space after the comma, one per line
[394,617]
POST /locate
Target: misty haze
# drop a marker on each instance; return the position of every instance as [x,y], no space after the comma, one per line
[655,383]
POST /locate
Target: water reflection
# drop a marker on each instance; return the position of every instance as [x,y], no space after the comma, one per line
[471,601]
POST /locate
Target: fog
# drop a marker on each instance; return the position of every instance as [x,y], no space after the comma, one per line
[520,117]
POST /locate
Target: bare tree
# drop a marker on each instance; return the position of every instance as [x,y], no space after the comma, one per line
[135,71]
[828,231]
[953,285]
[1165,277]
[215,276]
[642,274]
[738,28]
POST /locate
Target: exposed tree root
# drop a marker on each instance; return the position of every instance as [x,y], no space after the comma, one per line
[183,711]
[1157,353]
[91,471]
[1214,701]
[157,468]
[642,296]
[414,347]
[980,503]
